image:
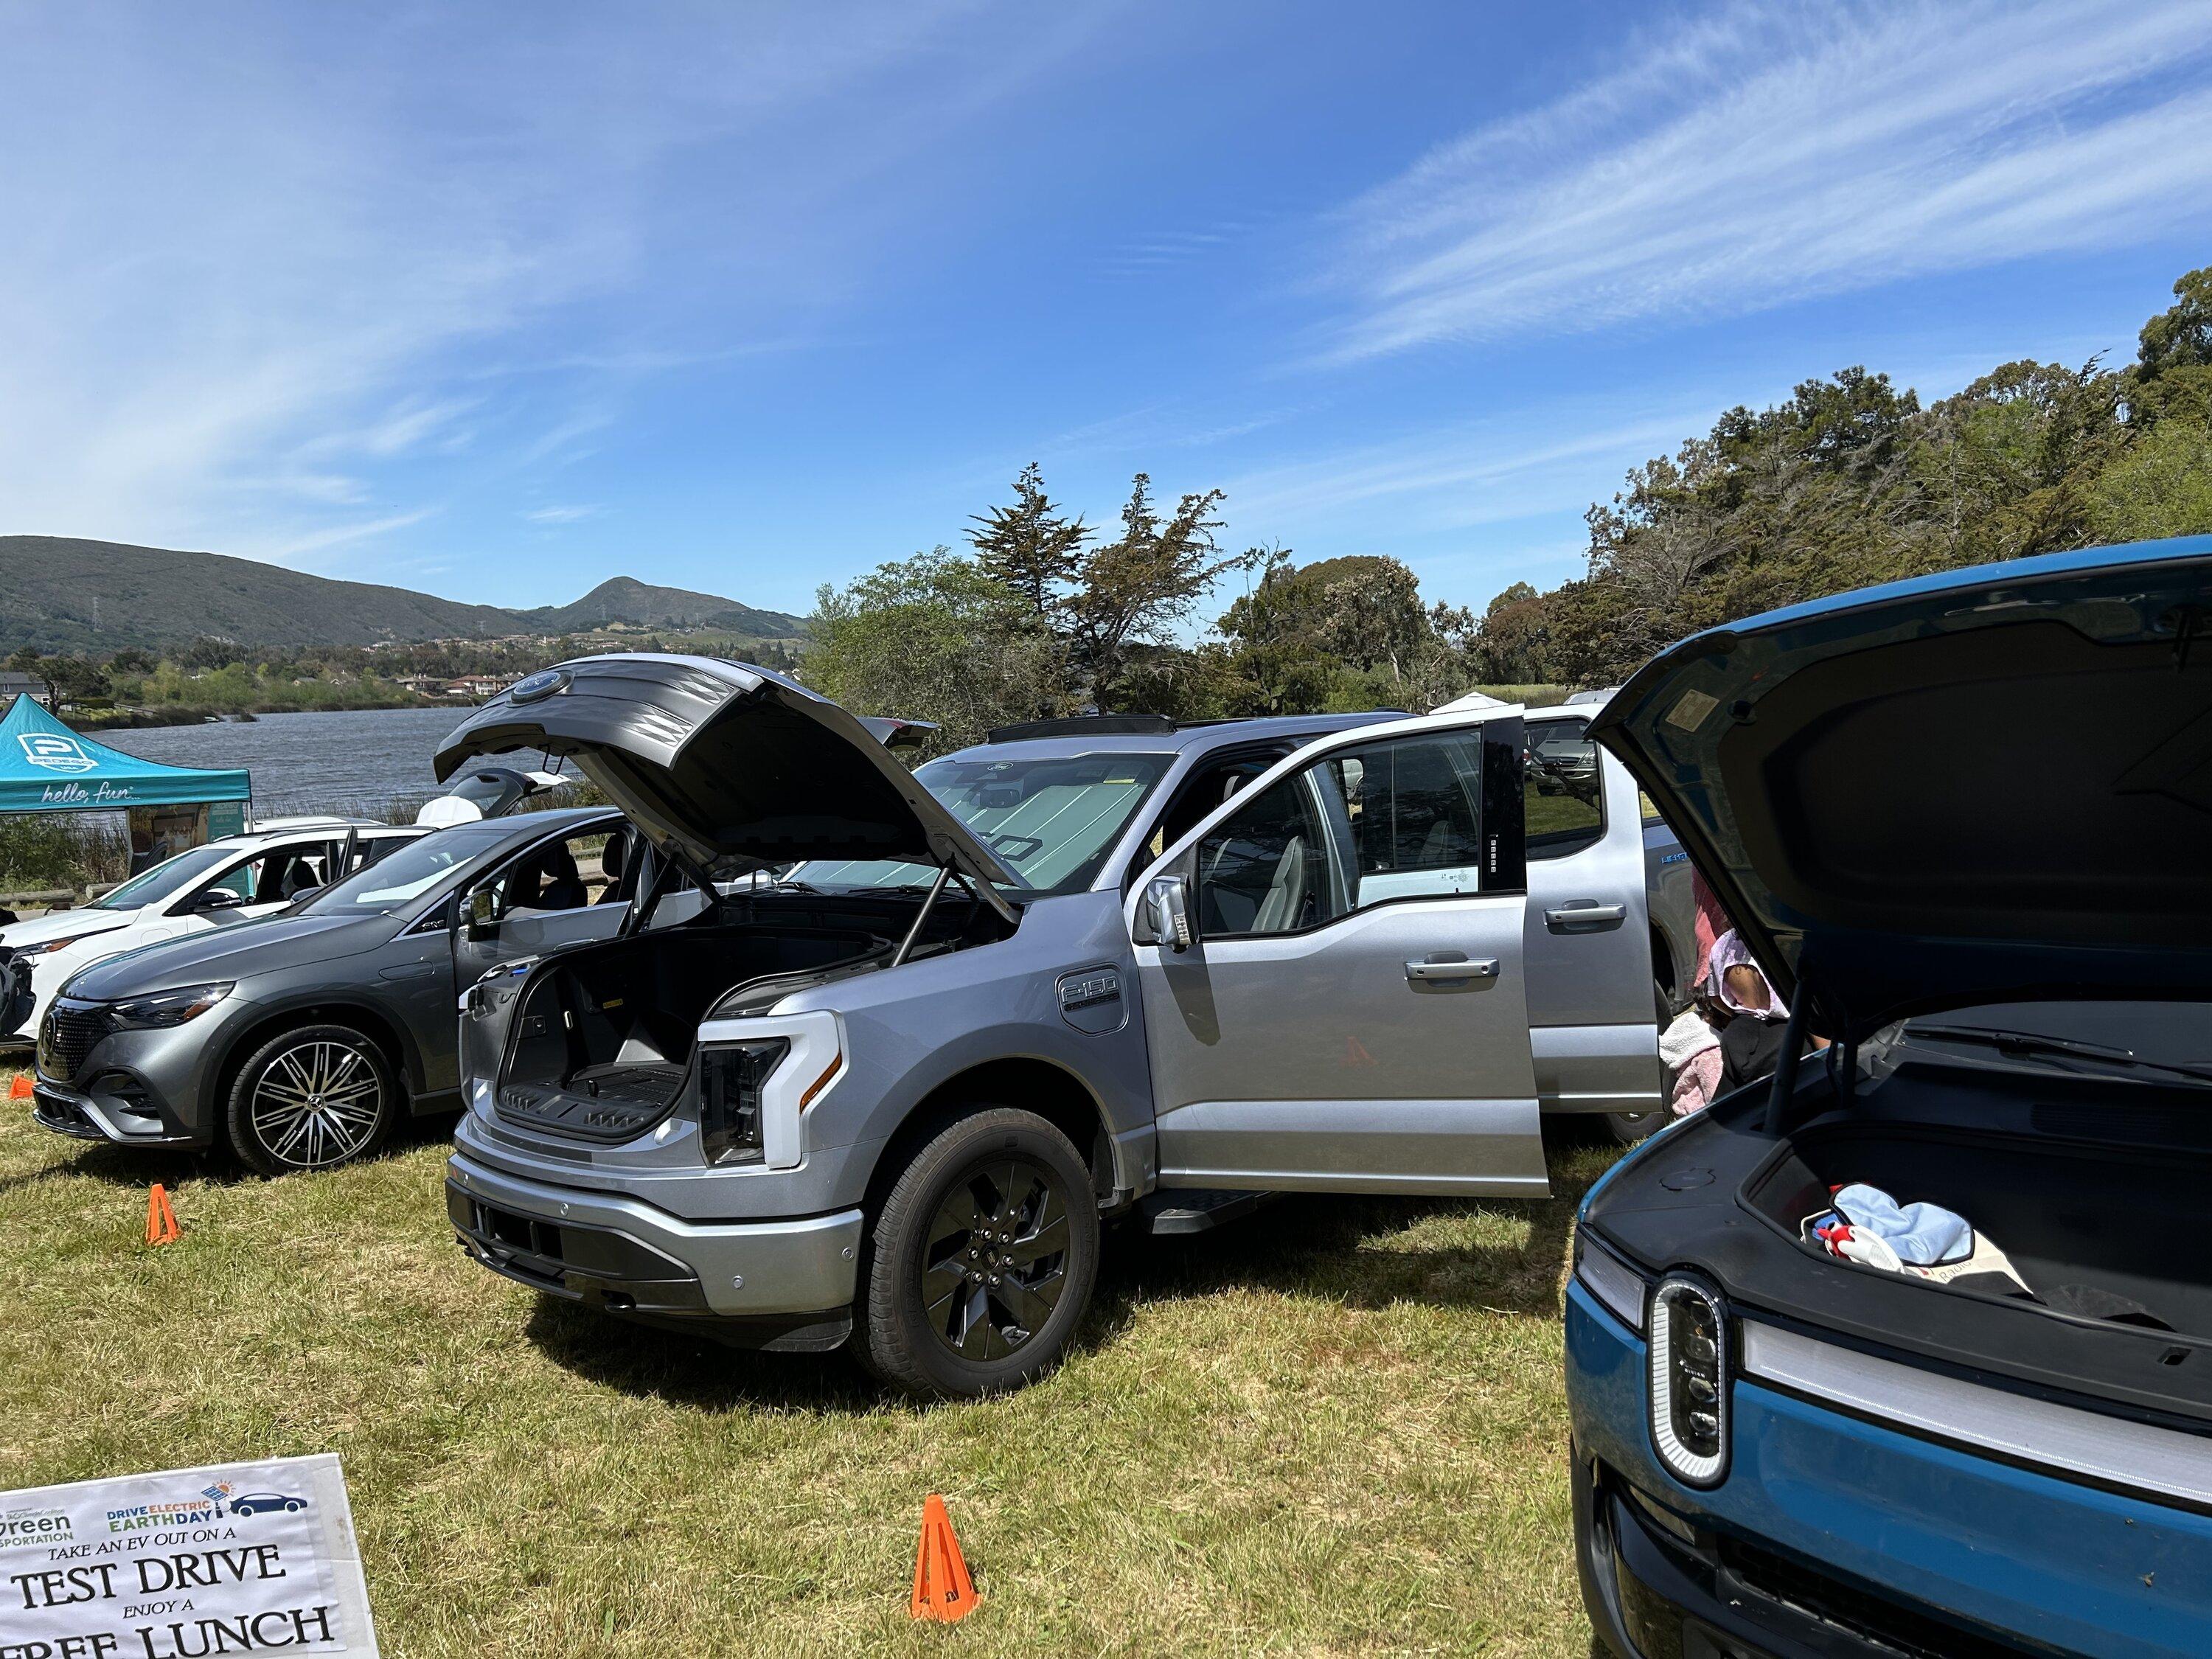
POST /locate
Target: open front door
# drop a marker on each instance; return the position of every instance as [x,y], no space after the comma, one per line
[1349,1013]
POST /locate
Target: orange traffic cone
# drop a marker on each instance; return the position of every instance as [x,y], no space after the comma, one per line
[19,1086]
[161,1220]
[942,1588]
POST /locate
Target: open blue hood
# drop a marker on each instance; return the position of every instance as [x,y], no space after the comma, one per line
[1989,785]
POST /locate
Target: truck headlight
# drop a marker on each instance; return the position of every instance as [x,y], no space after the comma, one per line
[731,1078]
[1687,1336]
[165,1008]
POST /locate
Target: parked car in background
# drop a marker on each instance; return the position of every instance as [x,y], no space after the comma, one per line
[301,1040]
[1089,968]
[1962,823]
[238,879]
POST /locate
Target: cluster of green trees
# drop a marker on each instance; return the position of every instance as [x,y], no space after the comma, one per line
[1852,481]
[1849,483]
[1047,614]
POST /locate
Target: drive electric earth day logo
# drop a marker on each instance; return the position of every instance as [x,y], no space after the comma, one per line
[55,751]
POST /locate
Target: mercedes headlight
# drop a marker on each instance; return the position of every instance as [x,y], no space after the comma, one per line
[165,1008]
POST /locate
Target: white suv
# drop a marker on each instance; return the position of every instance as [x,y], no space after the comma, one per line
[222,882]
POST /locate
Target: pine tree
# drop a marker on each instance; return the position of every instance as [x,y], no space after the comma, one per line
[1031,546]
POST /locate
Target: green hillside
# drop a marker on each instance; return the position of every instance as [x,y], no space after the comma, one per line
[58,594]
[626,600]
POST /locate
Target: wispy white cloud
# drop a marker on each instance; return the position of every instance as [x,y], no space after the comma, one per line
[292,549]
[568,515]
[1757,155]
[261,255]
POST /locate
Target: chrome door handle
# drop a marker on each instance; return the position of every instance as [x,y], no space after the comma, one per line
[1486,969]
[1577,915]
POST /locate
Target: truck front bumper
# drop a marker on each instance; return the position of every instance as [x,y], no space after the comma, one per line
[787,1283]
[1831,1535]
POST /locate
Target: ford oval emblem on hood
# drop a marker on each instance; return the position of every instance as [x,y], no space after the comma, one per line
[538,686]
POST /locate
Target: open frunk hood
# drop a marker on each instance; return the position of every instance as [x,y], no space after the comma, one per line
[1989,785]
[714,759]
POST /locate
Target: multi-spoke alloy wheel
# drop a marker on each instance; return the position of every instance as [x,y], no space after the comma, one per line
[980,1263]
[311,1099]
[996,1261]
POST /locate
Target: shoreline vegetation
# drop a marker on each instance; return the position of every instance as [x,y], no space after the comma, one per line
[82,851]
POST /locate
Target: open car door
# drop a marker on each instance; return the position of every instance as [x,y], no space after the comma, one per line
[1332,973]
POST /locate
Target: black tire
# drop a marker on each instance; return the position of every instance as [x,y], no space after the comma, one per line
[279,1121]
[1025,1186]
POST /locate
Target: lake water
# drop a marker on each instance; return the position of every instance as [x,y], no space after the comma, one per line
[313,762]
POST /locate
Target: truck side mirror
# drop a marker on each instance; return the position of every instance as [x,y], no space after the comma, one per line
[484,908]
[1164,917]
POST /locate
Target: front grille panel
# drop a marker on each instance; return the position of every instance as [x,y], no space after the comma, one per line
[72,1031]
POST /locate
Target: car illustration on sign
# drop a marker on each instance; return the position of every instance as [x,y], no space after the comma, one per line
[266,1503]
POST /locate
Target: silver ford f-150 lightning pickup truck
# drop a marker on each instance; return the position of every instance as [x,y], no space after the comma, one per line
[1088,969]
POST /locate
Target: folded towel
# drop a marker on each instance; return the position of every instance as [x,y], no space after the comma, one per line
[1924,1235]
[1865,1224]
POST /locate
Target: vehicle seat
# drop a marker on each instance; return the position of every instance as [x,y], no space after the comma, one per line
[614,859]
[1284,907]
[299,878]
[560,887]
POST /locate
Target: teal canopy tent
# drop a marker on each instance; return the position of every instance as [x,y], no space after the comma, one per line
[46,767]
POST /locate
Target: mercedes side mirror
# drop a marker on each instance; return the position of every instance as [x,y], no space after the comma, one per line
[483,913]
[1164,917]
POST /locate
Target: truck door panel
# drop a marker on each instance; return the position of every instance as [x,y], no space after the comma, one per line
[1315,1034]
[1591,1001]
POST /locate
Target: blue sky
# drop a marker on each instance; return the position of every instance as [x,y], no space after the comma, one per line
[499,301]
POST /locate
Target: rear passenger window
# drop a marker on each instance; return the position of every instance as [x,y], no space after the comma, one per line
[1562,789]
[1386,821]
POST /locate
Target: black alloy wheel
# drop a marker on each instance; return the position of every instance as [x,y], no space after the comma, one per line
[980,1263]
[995,1261]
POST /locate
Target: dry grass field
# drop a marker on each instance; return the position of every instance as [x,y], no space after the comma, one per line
[1334,1428]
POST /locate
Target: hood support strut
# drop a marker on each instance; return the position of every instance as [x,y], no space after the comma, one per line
[1785,1068]
[922,916]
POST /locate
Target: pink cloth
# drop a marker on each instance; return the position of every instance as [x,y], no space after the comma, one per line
[1696,1083]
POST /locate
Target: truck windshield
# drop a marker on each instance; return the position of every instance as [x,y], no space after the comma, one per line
[1049,822]
[405,876]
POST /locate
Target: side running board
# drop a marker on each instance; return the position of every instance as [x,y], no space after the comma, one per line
[1169,1212]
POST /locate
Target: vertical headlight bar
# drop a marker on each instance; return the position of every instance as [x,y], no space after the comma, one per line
[731,1079]
[1686,1335]
[764,1080]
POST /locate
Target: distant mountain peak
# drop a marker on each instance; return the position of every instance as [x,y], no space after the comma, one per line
[60,593]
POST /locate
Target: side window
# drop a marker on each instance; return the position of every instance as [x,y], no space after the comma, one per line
[1362,826]
[1206,786]
[1273,867]
[570,874]
[1415,809]
[1564,790]
[235,886]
